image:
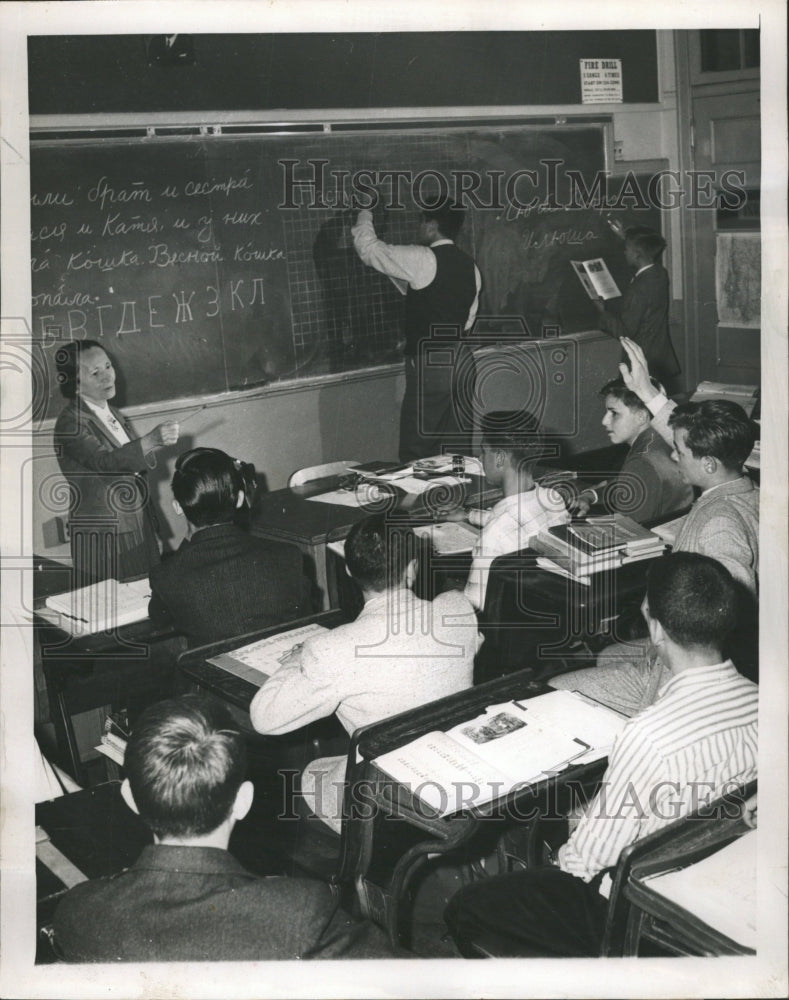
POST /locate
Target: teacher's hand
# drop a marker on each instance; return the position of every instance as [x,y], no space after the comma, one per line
[162,435]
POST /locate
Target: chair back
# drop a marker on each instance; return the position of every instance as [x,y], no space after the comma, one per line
[301,476]
[681,843]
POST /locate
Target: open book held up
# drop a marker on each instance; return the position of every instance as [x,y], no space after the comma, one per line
[596,278]
[510,745]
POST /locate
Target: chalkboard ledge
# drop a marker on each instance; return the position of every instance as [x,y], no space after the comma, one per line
[282,387]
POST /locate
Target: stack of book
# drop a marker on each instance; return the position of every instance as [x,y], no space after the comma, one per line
[582,548]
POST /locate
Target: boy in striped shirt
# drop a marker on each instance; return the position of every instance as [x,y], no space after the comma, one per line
[695,743]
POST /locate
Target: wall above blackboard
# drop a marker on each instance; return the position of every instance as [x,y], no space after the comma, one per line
[89,74]
[211,264]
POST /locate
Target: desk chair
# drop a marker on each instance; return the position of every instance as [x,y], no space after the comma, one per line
[307,475]
[628,921]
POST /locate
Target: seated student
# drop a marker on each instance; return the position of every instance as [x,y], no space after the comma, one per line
[223,581]
[511,446]
[186,898]
[697,742]
[649,483]
[399,653]
[711,441]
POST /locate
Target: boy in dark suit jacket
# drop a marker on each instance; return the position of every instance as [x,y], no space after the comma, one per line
[223,581]
[186,898]
[643,311]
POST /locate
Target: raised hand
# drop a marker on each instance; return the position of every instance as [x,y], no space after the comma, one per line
[636,375]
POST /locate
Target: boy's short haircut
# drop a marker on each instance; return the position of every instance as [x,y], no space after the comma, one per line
[616,387]
[719,428]
[185,762]
[378,551]
[694,598]
[206,483]
[517,432]
[450,217]
[646,240]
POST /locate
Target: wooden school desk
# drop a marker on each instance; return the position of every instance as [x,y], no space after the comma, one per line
[128,667]
[79,836]
[288,515]
[386,841]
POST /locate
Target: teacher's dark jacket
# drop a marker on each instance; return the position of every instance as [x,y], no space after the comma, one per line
[224,582]
[109,491]
[198,904]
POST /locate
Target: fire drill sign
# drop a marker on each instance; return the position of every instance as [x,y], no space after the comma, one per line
[601,81]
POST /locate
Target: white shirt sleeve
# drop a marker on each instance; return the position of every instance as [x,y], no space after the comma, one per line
[412,264]
[294,696]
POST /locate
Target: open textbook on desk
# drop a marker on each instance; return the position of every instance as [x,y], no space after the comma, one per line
[509,746]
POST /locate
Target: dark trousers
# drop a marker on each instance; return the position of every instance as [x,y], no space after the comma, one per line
[437,411]
[542,912]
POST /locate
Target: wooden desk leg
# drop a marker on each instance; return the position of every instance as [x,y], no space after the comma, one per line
[64,734]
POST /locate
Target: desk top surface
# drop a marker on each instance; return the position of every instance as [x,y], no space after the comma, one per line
[289,513]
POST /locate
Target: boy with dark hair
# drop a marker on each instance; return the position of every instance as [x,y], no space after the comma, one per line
[723,524]
[400,652]
[649,484]
[223,581]
[698,741]
[644,307]
[441,284]
[512,444]
[186,898]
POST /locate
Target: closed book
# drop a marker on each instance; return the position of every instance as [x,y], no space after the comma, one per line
[581,564]
[608,532]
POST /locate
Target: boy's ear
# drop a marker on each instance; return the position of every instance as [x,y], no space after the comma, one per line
[243,800]
[178,508]
[128,798]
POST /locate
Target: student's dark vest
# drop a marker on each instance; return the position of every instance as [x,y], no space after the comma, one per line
[446,300]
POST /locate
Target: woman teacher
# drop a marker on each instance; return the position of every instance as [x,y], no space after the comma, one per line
[114,531]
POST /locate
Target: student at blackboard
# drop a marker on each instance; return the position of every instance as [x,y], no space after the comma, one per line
[441,284]
[114,529]
[649,484]
[643,309]
[223,581]
[511,446]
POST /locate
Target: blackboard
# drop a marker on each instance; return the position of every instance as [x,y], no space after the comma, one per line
[209,264]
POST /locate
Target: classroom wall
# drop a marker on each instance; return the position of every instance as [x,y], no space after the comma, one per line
[356,416]
[352,417]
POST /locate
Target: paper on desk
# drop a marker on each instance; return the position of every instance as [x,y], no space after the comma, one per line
[343,498]
[720,889]
[668,532]
[257,661]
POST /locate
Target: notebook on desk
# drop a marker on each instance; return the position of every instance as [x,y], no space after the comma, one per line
[99,607]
